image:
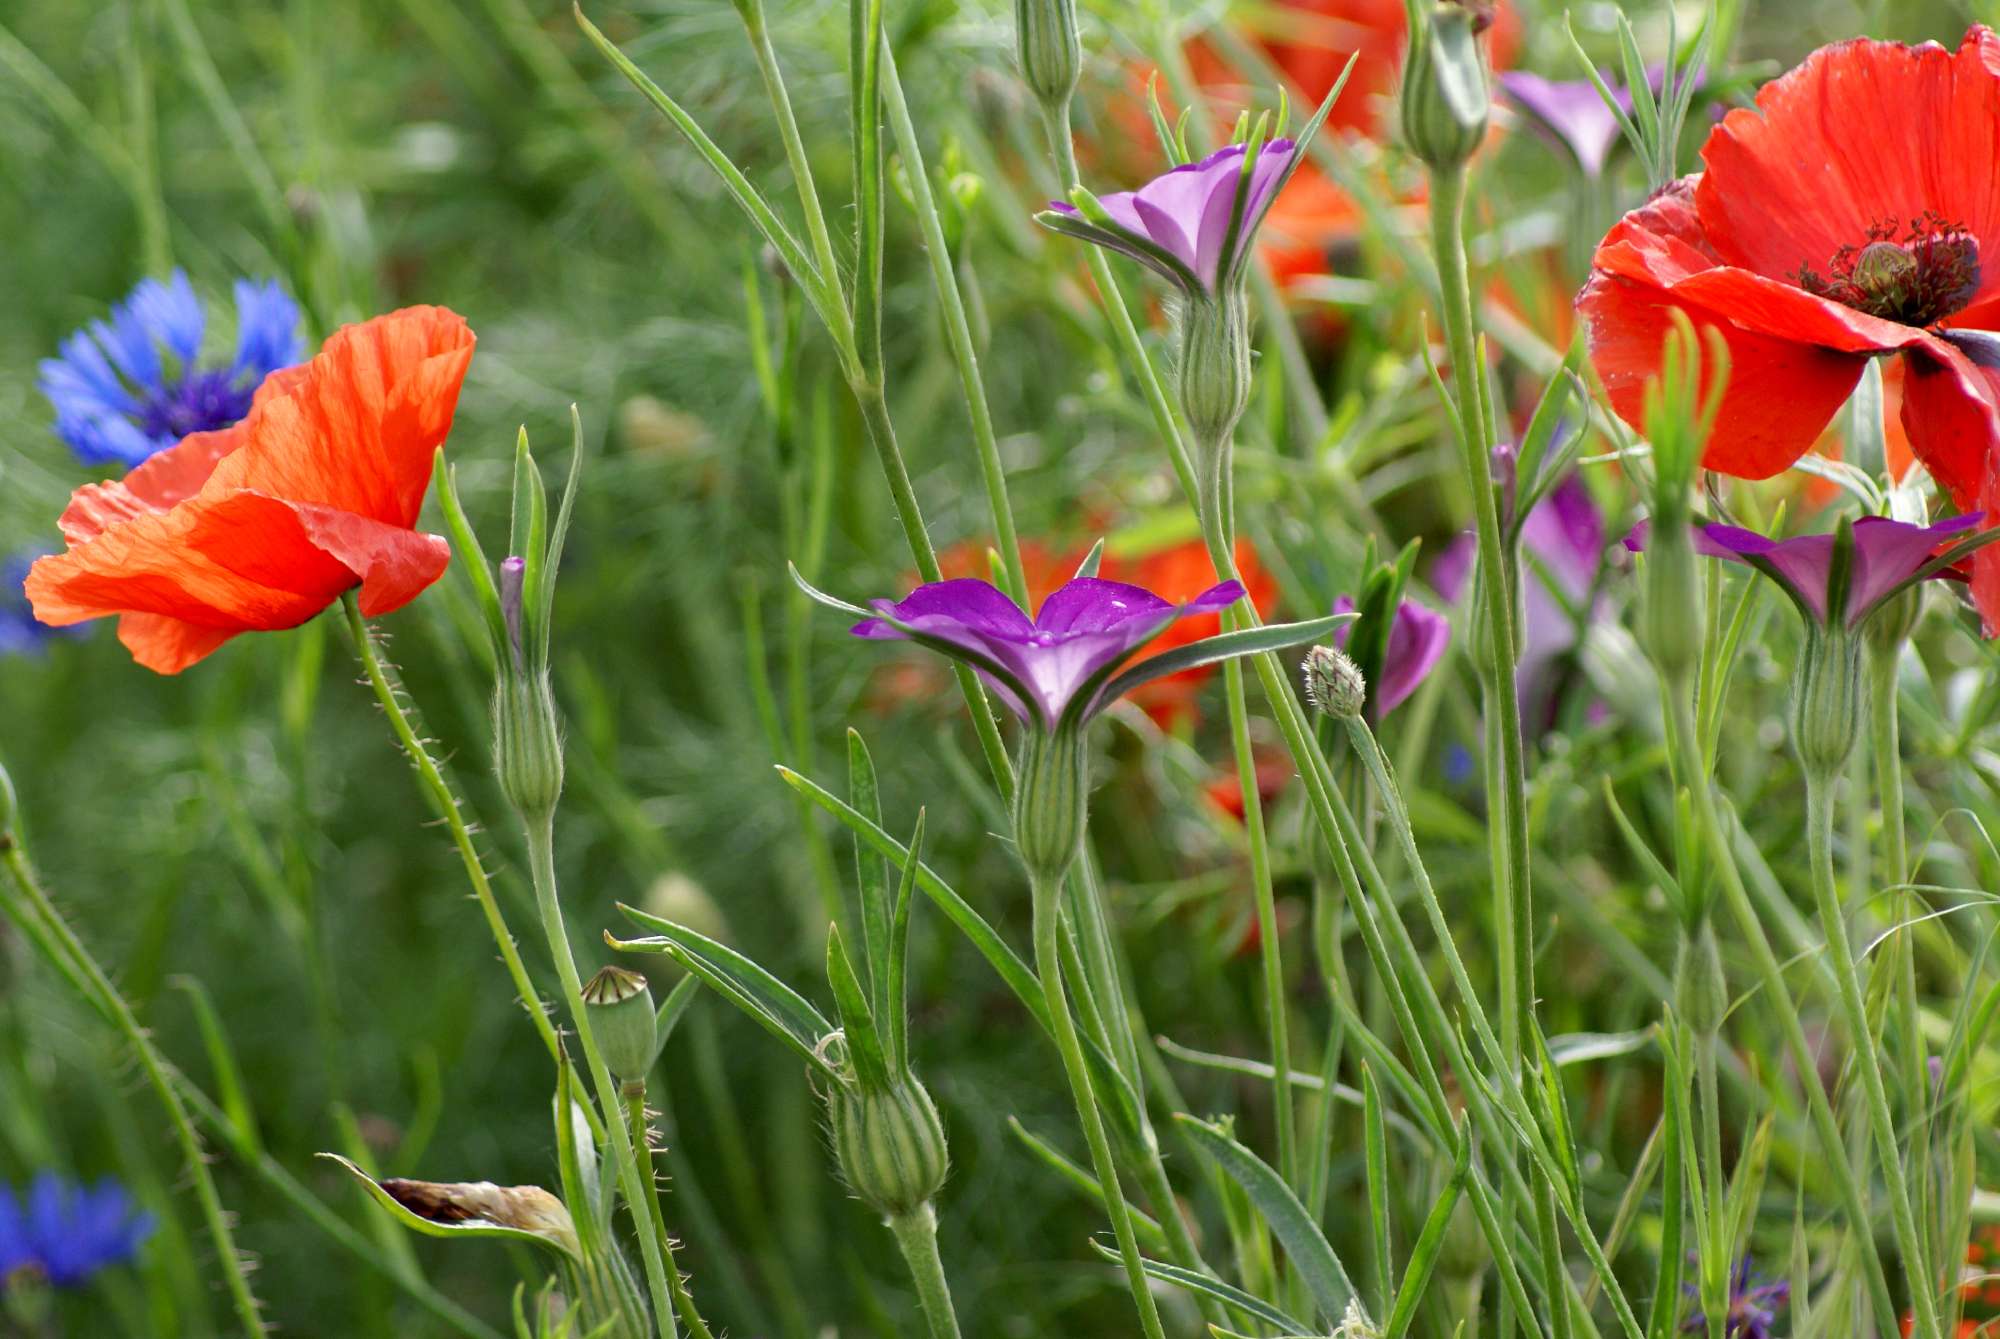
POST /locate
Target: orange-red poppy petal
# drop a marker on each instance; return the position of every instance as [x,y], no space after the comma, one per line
[1781,392]
[1861,133]
[261,526]
[1951,414]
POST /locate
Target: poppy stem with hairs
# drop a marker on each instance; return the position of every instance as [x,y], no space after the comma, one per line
[642,1150]
[389,692]
[44,924]
[539,829]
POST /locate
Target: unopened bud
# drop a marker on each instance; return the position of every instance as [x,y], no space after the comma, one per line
[1701,993]
[1214,382]
[621,1018]
[1050,802]
[513,580]
[1670,617]
[1046,44]
[1334,683]
[1445,101]
[527,742]
[889,1144]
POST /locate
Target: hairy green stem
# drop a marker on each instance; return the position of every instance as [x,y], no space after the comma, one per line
[916,1233]
[1862,1046]
[642,1151]
[1047,892]
[388,691]
[160,1074]
[1900,954]
[540,832]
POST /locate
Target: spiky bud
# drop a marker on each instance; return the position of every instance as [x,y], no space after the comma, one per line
[621,1018]
[1445,101]
[1334,683]
[889,1144]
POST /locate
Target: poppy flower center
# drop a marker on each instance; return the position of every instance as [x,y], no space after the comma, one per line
[1919,278]
[201,401]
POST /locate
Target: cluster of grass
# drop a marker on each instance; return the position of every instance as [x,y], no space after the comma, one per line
[244,845]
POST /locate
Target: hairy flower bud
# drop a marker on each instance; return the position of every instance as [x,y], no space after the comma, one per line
[1701,993]
[1334,683]
[1213,381]
[527,741]
[889,1144]
[1050,801]
[621,1018]
[1445,102]
[1046,44]
[1826,699]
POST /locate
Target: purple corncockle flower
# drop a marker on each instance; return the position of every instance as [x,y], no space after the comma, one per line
[1194,224]
[1572,112]
[1417,641]
[1042,666]
[66,1232]
[1753,1305]
[1888,557]
[1562,548]
[118,399]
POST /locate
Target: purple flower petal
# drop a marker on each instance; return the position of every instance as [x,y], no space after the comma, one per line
[1572,112]
[1417,641]
[1083,628]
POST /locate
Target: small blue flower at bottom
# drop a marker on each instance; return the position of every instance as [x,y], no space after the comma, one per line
[126,387]
[66,1232]
[1753,1305]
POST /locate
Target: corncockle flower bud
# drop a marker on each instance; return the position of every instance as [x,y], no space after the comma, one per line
[1333,683]
[1445,103]
[1701,992]
[621,1018]
[1670,617]
[513,575]
[1045,43]
[1826,700]
[1213,380]
[889,1144]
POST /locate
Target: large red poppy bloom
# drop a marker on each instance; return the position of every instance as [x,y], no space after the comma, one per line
[1854,213]
[262,525]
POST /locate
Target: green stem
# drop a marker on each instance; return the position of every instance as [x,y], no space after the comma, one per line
[1861,1044]
[1047,891]
[1901,950]
[159,1073]
[916,1233]
[388,691]
[1716,1265]
[540,831]
[1805,1061]
[958,331]
[642,1150]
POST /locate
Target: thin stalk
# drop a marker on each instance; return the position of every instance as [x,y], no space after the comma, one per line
[916,1233]
[1716,1266]
[388,691]
[875,412]
[1771,972]
[642,1150]
[1270,951]
[1861,1043]
[1047,894]
[159,1073]
[1885,735]
[958,331]
[540,832]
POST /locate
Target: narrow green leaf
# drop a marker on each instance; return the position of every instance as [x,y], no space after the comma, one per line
[1091,561]
[234,1094]
[1144,1226]
[1197,1282]
[857,1021]
[897,1008]
[788,1015]
[1224,646]
[1430,1245]
[871,873]
[1641,852]
[671,1011]
[465,540]
[1304,1243]
[573,1152]
[1375,1144]
[559,537]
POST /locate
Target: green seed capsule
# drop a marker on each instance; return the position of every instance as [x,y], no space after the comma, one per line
[621,1017]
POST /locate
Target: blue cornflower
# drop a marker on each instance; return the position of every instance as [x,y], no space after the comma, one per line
[132,385]
[66,1232]
[20,631]
[1753,1305]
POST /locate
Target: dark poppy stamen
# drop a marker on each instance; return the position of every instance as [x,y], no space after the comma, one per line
[1928,273]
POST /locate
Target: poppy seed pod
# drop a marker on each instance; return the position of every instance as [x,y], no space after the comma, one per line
[1046,44]
[1050,801]
[889,1143]
[1445,103]
[621,1018]
[1826,700]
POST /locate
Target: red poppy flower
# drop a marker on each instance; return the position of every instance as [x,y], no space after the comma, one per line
[1845,218]
[1180,573]
[262,525]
